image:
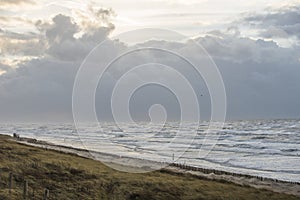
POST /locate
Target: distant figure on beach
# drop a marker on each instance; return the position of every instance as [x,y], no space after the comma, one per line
[16,136]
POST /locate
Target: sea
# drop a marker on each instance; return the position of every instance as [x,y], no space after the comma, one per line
[267,148]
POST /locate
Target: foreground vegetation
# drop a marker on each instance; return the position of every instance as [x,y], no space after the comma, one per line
[68,176]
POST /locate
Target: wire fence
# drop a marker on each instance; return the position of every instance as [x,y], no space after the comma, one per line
[15,186]
[220,172]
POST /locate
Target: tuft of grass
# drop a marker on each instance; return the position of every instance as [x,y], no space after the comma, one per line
[68,176]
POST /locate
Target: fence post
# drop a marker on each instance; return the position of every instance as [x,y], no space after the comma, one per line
[25,189]
[46,194]
[10,182]
[32,196]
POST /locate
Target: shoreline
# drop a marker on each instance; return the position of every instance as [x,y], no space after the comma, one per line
[140,165]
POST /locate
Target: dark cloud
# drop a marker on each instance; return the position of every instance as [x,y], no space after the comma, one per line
[57,37]
[279,23]
[261,78]
[44,84]
[62,29]
[60,34]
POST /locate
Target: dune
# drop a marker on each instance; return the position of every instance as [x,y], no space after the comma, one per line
[70,173]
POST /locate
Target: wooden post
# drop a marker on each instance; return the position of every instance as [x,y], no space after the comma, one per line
[32,196]
[46,194]
[25,189]
[10,182]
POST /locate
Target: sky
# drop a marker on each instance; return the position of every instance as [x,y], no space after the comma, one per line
[254,44]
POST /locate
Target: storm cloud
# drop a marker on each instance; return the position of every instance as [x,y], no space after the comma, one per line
[261,78]
[281,23]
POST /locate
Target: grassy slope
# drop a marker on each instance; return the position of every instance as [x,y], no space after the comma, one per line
[71,177]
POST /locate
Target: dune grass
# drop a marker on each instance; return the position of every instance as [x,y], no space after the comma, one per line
[68,176]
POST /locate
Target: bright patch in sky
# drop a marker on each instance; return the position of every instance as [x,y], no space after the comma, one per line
[187,16]
[2,72]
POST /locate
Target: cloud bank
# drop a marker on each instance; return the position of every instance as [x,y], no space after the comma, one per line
[284,23]
[261,77]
